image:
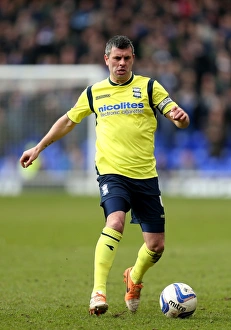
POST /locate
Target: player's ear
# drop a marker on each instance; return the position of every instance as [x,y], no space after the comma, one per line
[106,58]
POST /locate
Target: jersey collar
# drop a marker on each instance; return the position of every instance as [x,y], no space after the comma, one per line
[126,83]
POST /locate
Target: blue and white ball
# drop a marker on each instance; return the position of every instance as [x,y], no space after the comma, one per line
[178,300]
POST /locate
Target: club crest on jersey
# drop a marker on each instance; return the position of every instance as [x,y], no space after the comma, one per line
[136,92]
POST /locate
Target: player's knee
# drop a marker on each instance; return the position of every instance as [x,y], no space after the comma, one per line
[116,221]
[160,249]
[157,247]
[154,241]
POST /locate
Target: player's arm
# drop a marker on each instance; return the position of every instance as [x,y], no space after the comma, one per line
[178,116]
[167,107]
[60,128]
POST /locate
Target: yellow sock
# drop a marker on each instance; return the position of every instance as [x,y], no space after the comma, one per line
[146,259]
[105,252]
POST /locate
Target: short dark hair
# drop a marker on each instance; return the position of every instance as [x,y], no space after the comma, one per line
[117,41]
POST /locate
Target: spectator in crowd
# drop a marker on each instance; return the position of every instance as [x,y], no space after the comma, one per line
[186,45]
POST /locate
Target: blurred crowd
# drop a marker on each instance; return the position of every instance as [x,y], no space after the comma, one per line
[184,44]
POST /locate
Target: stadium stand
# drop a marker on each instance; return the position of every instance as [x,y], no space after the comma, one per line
[185,45]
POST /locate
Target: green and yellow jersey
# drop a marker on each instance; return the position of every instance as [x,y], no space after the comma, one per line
[125,124]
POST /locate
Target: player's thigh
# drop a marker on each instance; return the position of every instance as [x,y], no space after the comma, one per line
[148,211]
[114,193]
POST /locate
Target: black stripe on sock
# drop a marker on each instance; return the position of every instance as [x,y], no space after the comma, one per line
[111,237]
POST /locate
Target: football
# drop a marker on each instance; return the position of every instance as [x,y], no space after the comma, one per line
[178,300]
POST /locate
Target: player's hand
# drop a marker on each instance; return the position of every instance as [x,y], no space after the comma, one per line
[28,157]
[179,117]
[178,114]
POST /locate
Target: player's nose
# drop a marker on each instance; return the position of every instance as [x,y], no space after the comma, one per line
[122,61]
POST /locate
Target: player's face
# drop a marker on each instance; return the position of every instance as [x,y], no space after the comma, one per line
[120,62]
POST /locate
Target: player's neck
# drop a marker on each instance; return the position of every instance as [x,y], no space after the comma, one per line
[120,81]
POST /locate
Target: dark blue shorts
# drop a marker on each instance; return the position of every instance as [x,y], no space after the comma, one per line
[141,196]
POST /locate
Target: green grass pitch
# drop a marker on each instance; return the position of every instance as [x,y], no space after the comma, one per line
[46,264]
